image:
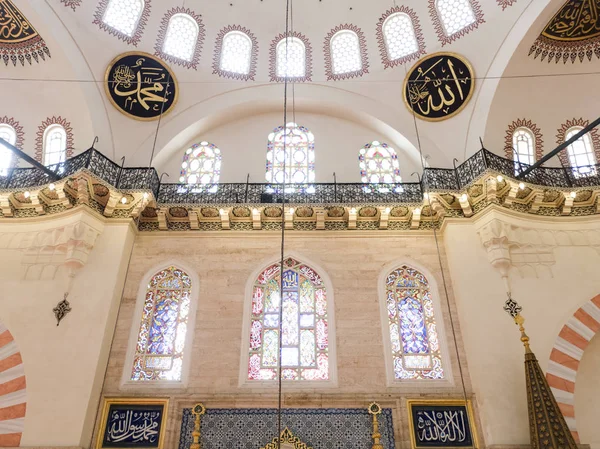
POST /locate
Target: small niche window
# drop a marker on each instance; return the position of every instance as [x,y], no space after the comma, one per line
[304,325]
[123,15]
[295,164]
[455,15]
[523,148]
[399,36]
[55,145]
[236,53]
[379,164]
[9,134]
[291,58]
[581,153]
[164,323]
[412,326]
[201,164]
[182,37]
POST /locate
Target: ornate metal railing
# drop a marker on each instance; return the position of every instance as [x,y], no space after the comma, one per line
[146,178]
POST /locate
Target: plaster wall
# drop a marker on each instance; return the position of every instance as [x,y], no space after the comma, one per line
[588,394]
[224,263]
[549,295]
[64,365]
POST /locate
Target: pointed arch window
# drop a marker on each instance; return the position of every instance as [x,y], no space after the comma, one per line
[9,134]
[305,336]
[123,16]
[400,37]
[412,326]
[454,18]
[523,147]
[345,53]
[297,163]
[379,164]
[55,145]
[581,153]
[201,164]
[161,336]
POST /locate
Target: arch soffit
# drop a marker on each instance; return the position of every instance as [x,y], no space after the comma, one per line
[14,387]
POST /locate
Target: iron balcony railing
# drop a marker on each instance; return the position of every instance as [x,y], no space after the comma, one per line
[144,178]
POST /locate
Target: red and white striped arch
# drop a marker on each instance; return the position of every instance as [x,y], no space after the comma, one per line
[566,354]
[12,390]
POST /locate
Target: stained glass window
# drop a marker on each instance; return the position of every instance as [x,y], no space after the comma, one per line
[9,134]
[304,338]
[455,15]
[345,52]
[291,58]
[581,153]
[413,333]
[379,163]
[297,163]
[201,164]
[161,338]
[55,145]
[236,53]
[399,36]
[182,37]
[123,15]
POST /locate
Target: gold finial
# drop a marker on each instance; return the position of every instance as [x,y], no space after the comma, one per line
[374,410]
[514,310]
[198,410]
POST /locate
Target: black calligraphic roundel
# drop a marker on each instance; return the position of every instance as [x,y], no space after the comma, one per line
[439,86]
[141,86]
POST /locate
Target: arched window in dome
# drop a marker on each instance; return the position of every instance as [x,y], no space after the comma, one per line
[201,164]
[454,18]
[297,163]
[123,18]
[413,331]
[582,157]
[291,58]
[399,36]
[345,53]
[305,348]
[524,145]
[379,164]
[182,37]
[162,332]
[8,133]
[236,53]
[55,145]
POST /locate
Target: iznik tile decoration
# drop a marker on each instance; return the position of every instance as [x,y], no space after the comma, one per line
[318,428]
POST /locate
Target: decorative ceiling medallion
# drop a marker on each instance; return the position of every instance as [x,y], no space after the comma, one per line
[439,86]
[141,86]
[573,33]
[19,41]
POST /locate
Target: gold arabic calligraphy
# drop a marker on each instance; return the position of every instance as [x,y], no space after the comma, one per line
[576,20]
[14,27]
[440,87]
[143,85]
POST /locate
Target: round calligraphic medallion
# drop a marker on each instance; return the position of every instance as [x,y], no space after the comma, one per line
[439,86]
[141,86]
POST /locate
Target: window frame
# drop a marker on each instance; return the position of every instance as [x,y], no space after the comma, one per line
[310,149]
[4,171]
[45,136]
[533,154]
[219,53]
[294,385]
[362,47]
[162,38]
[126,382]
[135,38]
[218,157]
[394,157]
[274,77]
[441,29]
[571,157]
[382,40]
[440,316]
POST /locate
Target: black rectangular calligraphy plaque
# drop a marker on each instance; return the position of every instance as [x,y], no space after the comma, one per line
[435,424]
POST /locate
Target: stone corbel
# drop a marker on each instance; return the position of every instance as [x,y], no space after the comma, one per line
[384,217]
[112,202]
[568,204]
[83,191]
[35,201]
[162,220]
[225,224]
[194,220]
[320,214]
[495,239]
[5,205]
[256,219]
[352,216]
[289,218]
[416,218]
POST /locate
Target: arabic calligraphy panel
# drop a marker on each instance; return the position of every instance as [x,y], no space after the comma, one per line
[141,86]
[441,424]
[132,423]
[439,86]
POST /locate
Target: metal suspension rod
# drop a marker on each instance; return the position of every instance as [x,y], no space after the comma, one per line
[559,148]
[29,159]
